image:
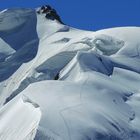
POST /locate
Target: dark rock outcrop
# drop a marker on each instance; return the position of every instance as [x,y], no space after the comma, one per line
[50,13]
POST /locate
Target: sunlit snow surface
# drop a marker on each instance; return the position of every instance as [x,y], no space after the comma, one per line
[61,83]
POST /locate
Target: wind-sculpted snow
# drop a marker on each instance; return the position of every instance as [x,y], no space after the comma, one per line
[18,26]
[61,83]
[107,44]
[22,126]
[5,48]
[130,36]
[18,30]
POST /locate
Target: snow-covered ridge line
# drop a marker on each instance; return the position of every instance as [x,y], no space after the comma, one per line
[61,83]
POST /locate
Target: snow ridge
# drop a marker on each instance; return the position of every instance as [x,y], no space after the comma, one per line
[61,83]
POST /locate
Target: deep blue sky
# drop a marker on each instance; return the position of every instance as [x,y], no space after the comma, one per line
[88,14]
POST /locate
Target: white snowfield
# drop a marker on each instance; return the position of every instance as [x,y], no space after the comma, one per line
[61,83]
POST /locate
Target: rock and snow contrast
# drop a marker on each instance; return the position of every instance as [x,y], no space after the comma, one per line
[61,83]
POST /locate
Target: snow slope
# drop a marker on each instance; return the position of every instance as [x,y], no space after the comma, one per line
[21,127]
[61,83]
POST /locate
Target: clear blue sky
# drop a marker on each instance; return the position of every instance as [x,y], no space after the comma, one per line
[88,14]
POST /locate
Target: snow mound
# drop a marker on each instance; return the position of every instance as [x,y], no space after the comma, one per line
[130,37]
[107,44]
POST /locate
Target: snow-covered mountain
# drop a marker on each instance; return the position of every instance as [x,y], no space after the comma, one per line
[61,83]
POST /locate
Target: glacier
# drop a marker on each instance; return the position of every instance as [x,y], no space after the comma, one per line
[62,83]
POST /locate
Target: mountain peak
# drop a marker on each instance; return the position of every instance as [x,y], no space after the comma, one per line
[50,13]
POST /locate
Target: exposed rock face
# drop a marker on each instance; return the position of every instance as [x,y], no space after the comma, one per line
[50,13]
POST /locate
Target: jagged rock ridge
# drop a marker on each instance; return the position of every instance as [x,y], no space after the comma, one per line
[50,13]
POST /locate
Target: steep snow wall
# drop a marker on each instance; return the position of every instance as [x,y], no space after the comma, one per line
[24,125]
